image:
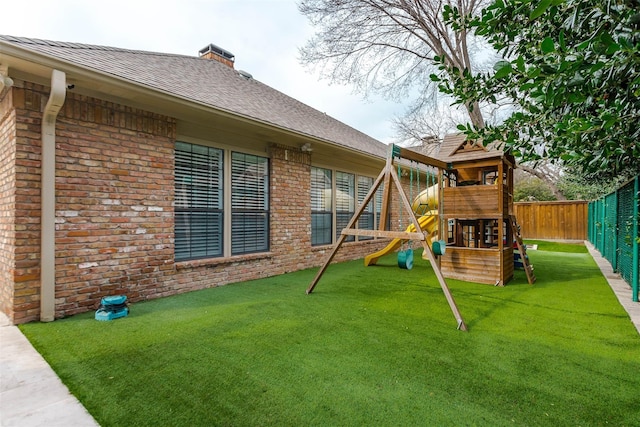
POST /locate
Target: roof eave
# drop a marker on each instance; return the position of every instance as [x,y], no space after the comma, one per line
[139,95]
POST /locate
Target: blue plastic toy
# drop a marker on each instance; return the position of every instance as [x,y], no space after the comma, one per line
[112,307]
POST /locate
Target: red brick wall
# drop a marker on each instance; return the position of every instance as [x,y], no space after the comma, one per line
[114,191]
[290,209]
[27,204]
[7,201]
[114,210]
[114,206]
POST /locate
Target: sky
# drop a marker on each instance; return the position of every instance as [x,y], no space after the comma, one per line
[264,36]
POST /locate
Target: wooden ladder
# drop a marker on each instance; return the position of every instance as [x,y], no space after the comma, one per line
[528,268]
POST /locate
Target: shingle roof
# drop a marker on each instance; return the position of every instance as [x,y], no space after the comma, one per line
[207,82]
[451,151]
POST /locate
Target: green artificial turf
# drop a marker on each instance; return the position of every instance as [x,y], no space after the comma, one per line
[553,246]
[371,346]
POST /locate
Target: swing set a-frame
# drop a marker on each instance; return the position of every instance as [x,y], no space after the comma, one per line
[389,178]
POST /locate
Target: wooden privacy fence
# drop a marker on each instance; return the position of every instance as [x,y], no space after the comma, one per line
[562,220]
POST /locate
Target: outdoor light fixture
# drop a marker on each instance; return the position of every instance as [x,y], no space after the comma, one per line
[306,148]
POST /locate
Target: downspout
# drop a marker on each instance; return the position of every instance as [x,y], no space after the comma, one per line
[48,197]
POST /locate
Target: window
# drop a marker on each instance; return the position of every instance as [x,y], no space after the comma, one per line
[334,198]
[470,233]
[378,208]
[202,230]
[490,177]
[198,202]
[249,203]
[451,231]
[367,218]
[321,206]
[345,201]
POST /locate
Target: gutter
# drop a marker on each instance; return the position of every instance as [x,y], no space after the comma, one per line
[48,196]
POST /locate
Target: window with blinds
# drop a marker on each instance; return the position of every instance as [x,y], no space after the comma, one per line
[367,218]
[321,206]
[378,207]
[198,202]
[249,203]
[345,201]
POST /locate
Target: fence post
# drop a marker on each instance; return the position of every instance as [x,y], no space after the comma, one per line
[589,222]
[636,237]
[616,252]
[597,229]
[603,212]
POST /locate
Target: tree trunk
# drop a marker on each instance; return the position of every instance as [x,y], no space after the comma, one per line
[546,179]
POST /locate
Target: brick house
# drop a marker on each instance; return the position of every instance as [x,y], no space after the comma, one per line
[151,174]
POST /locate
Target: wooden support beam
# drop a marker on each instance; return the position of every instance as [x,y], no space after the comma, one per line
[326,264]
[405,235]
[352,222]
[387,175]
[443,284]
[405,202]
[405,153]
[386,194]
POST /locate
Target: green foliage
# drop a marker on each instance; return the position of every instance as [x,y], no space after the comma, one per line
[572,69]
[532,189]
[575,186]
[371,346]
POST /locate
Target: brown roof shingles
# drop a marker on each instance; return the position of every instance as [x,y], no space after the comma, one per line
[450,152]
[207,82]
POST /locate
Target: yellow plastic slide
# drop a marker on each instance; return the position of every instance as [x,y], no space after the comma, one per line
[428,223]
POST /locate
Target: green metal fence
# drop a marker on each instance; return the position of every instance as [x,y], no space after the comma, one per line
[614,230]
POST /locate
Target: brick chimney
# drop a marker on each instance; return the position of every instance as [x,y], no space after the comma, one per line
[219,54]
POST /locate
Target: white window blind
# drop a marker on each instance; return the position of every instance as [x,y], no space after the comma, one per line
[249,203]
[321,206]
[345,201]
[198,201]
[367,218]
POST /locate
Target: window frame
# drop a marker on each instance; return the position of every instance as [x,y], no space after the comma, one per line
[196,203]
[321,216]
[244,210]
[345,184]
[374,207]
[225,206]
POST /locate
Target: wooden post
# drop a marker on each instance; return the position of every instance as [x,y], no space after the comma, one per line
[528,268]
[443,284]
[352,222]
[386,193]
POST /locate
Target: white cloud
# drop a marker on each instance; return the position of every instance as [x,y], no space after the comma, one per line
[263,34]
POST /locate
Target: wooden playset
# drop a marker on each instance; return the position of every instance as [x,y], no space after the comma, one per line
[466,224]
[478,209]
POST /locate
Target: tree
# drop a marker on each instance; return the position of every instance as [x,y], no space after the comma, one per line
[576,187]
[430,122]
[546,172]
[572,67]
[529,188]
[390,46]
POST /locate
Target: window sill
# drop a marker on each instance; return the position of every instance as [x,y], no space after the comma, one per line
[209,262]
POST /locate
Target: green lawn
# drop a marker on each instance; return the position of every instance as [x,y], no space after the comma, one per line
[371,346]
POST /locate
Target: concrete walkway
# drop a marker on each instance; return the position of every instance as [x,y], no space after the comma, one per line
[620,287]
[31,395]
